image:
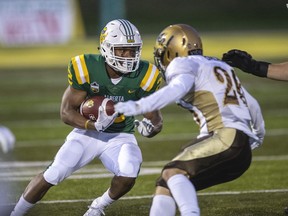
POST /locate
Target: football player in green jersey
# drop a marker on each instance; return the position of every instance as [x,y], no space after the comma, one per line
[118,74]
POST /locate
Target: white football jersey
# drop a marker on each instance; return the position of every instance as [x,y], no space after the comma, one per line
[209,88]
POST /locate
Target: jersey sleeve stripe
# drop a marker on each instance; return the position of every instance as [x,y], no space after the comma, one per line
[70,77]
[75,66]
[80,68]
[150,78]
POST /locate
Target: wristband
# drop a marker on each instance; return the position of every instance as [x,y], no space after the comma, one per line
[86,124]
[262,69]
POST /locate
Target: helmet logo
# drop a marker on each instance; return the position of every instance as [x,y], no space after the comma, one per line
[103,35]
[161,38]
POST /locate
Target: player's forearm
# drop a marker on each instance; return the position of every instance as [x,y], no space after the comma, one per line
[73,118]
[173,91]
[278,71]
[164,96]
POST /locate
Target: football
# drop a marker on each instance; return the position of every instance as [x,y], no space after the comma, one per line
[89,107]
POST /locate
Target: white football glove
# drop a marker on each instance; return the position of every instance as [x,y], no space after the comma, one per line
[128,108]
[104,120]
[7,139]
[254,143]
[260,133]
[145,127]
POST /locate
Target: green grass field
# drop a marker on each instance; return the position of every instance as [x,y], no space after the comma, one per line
[32,83]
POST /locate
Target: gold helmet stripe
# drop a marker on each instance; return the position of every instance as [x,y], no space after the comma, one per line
[150,78]
[80,68]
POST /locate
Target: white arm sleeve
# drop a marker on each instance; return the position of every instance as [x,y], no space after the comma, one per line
[257,121]
[176,89]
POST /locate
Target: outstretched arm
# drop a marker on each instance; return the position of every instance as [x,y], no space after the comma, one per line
[244,61]
[172,92]
[278,71]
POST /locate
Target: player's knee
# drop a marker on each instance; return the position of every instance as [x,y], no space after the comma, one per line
[55,174]
[131,169]
[167,173]
[130,160]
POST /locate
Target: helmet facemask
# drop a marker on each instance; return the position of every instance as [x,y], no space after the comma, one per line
[158,59]
[121,34]
[124,64]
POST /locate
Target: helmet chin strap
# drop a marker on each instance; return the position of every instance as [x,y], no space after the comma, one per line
[195,52]
[112,71]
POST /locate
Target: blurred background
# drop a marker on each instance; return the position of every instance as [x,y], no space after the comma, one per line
[151,16]
[30,28]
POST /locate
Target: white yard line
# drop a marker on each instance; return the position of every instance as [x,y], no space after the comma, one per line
[31,164]
[85,173]
[25,170]
[220,193]
[158,138]
[199,194]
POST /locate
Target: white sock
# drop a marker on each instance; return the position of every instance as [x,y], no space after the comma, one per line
[184,194]
[106,199]
[163,205]
[22,207]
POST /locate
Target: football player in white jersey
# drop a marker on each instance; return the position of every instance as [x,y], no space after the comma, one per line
[245,62]
[229,118]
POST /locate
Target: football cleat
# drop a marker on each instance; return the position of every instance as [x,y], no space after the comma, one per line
[95,209]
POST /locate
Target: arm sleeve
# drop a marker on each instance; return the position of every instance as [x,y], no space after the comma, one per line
[257,121]
[179,86]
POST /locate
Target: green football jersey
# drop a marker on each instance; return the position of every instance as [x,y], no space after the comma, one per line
[87,72]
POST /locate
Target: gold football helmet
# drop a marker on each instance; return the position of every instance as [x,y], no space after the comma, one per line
[176,41]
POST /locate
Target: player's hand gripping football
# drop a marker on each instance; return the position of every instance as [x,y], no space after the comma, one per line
[144,127]
[244,61]
[104,120]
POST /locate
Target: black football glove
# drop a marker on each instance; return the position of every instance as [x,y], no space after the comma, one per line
[244,61]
